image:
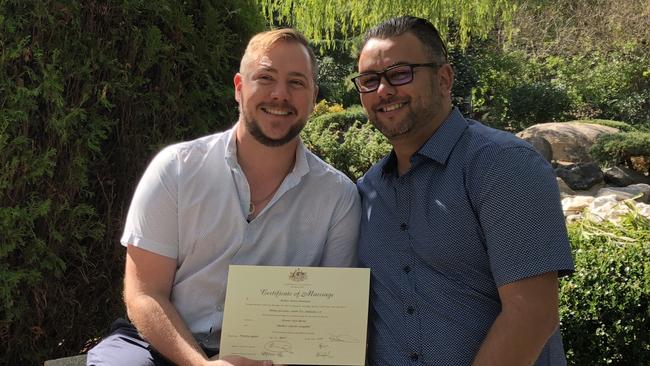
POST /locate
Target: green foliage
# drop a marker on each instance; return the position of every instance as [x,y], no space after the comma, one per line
[346,140]
[621,126]
[88,92]
[325,20]
[613,86]
[514,89]
[498,73]
[620,148]
[324,107]
[605,304]
[536,103]
[334,74]
[465,74]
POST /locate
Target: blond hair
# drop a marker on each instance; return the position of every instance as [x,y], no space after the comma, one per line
[261,42]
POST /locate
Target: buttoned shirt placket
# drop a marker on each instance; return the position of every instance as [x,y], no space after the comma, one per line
[403,188]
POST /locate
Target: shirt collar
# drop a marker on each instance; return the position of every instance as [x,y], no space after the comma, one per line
[439,146]
[442,142]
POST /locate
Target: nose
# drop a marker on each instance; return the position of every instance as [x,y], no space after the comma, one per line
[385,89]
[280,91]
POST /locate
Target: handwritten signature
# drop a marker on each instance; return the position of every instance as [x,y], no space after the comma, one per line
[344,338]
[324,354]
[277,348]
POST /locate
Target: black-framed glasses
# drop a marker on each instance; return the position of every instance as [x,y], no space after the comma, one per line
[395,75]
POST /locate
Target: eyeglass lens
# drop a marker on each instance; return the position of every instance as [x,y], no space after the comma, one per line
[399,75]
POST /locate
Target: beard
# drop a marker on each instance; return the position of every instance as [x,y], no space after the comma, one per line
[255,130]
[420,112]
[417,116]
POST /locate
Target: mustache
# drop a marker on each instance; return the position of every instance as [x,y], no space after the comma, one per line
[283,105]
[391,100]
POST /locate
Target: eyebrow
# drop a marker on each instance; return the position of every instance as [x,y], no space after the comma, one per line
[274,70]
[373,71]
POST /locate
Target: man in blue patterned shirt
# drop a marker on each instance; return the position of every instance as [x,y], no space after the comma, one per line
[461,225]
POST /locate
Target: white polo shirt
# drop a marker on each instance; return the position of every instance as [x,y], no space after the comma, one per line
[192,202]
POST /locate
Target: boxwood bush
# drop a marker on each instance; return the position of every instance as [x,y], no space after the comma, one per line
[605,304]
[620,148]
[346,140]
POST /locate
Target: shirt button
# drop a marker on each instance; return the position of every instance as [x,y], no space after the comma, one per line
[410,310]
[219,308]
[414,356]
[407,269]
[404,226]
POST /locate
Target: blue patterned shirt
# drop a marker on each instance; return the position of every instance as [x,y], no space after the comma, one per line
[478,209]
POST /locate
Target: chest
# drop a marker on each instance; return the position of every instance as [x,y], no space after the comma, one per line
[427,214]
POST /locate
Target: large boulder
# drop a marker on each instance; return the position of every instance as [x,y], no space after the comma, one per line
[580,176]
[565,190]
[622,176]
[542,146]
[570,141]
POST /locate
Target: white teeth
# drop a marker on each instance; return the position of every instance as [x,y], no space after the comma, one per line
[277,111]
[393,107]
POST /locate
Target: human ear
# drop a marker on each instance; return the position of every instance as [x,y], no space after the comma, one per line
[237,81]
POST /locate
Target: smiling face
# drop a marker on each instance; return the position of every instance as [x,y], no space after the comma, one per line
[276,92]
[414,110]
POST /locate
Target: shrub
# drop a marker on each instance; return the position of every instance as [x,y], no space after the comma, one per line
[533,103]
[337,118]
[620,148]
[346,140]
[497,74]
[612,86]
[621,126]
[88,92]
[334,75]
[605,304]
[324,107]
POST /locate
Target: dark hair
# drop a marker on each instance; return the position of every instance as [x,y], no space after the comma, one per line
[420,28]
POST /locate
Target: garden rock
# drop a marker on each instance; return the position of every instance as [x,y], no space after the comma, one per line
[541,145]
[580,176]
[629,192]
[570,141]
[622,176]
[610,208]
[565,190]
[575,205]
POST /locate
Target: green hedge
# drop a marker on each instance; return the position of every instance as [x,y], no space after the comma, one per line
[88,92]
[605,304]
[346,140]
[537,102]
[621,126]
[620,148]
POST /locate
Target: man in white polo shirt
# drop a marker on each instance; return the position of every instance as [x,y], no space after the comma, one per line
[250,195]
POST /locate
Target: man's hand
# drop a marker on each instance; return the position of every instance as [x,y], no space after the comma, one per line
[237,361]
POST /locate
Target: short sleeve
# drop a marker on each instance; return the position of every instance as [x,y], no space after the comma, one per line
[343,234]
[152,221]
[518,206]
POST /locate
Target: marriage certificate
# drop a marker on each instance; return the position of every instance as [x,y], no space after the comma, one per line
[296,315]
